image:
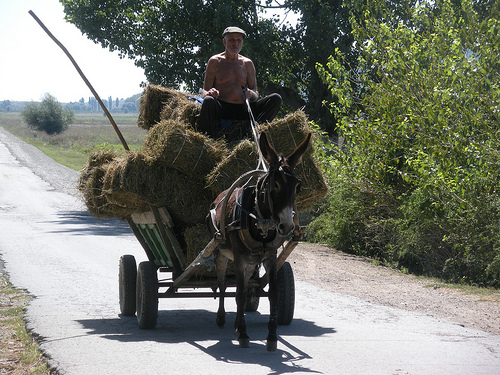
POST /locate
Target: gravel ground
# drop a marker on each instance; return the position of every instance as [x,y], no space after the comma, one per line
[347,274]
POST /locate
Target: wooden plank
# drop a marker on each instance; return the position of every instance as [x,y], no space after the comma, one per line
[148,217]
[141,240]
[177,247]
[165,236]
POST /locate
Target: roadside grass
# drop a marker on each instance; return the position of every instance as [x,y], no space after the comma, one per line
[483,294]
[89,132]
[20,353]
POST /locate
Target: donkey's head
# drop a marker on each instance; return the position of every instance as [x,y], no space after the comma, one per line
[277,189]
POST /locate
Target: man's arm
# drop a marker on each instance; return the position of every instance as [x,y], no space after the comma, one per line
[209,82]
[252,93]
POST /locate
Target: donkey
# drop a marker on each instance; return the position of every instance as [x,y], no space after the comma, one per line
[261,217]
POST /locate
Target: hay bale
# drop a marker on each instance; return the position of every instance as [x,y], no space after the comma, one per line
[196,238]
[243,158]
[117,187]
[156,99]
[313,184]
[179,147]
[187,200]
[137,181]
[123,184]
[179,107]
[91,186]
[287,133]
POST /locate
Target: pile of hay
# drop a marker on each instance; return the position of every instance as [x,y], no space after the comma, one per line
[161,103]
[185,170]
[155,176]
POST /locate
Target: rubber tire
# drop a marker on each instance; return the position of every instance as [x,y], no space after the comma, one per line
[127,278]
[147,295]
[286,294]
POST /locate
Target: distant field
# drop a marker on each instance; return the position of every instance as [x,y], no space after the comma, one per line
[90,132]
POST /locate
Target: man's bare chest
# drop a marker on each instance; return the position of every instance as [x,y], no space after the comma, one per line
[231,72]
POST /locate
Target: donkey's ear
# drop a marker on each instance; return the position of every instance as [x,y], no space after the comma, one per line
[268,152]
[295,158]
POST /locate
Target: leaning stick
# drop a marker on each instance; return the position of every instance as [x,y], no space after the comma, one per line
[110,118]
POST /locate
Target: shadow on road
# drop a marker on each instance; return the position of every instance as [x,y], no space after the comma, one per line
[198,328]
[81,222]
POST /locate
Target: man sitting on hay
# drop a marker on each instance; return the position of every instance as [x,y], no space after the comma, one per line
[230,81]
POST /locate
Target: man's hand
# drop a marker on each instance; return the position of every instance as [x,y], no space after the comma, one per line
[213,92]
[251,95]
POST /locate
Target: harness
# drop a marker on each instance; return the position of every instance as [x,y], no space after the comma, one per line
[246,203]
[241,218]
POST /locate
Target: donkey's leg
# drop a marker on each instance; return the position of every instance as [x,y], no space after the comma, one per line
[243,273]
[272,337]
[221,265]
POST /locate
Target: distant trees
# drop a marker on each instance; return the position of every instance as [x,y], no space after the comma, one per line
[48,116]
[5,105]
[128,105]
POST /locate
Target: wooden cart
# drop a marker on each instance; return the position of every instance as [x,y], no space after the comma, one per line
[167,274]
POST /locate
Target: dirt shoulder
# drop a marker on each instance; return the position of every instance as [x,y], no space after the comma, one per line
[357,276]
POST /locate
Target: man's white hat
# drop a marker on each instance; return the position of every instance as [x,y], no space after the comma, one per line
[234,29]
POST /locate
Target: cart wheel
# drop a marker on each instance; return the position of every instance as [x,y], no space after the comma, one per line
[147,295]
[286,294]
[252,300]
[127,278]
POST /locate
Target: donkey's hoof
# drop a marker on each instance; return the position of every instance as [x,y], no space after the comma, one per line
[220,320]
[244,343]
[243,339]
[272,346]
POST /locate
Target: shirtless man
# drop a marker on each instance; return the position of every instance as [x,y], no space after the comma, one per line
[223,95]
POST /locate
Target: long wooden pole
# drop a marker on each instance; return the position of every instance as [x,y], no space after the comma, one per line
[110,118]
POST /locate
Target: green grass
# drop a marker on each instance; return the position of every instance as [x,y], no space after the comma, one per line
[483,294]
[89,132]
[21,353]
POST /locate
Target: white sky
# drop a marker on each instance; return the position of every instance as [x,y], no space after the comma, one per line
[31,64]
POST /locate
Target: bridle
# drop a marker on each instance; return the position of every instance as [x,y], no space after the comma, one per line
[263,195]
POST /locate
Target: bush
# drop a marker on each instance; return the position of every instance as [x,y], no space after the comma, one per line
[47,116]
[417,183]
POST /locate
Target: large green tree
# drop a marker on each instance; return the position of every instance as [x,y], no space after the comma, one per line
[418,182]
[173,39]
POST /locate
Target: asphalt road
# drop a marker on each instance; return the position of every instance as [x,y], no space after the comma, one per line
[69,262]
